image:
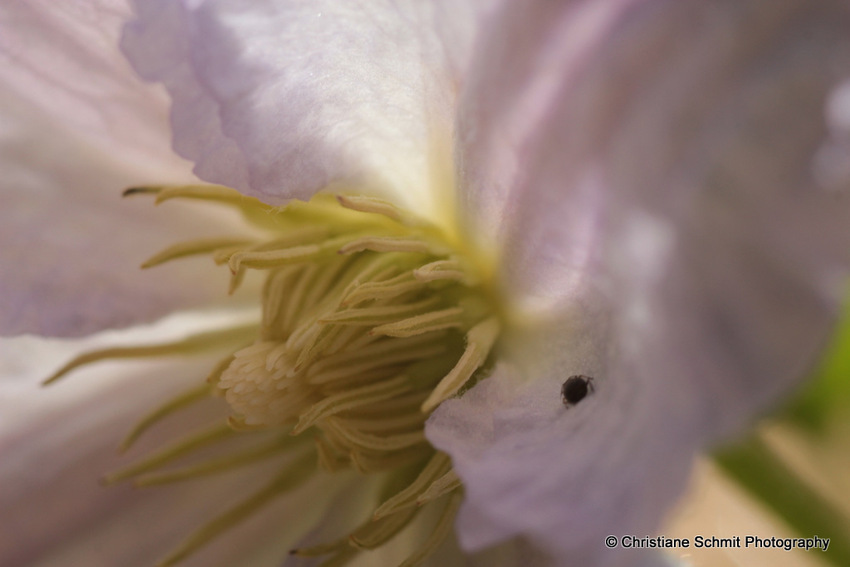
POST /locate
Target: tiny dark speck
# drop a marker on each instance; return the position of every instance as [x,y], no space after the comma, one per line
[575,389]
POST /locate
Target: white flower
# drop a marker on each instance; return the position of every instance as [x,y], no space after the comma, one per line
[650,175]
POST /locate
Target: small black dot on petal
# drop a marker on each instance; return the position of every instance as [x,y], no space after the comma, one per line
[575,389]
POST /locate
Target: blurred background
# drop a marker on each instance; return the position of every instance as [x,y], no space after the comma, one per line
[789,478]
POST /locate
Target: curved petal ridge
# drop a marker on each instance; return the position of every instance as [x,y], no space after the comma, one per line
[671,186]
[279,99]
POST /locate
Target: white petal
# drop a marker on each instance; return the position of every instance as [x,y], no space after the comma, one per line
[664,202]
[72,247]
[64,59]
[566,478]
[279,99]
[58,441]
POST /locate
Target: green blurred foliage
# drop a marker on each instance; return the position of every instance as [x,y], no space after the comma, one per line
[757,469]
[828,392]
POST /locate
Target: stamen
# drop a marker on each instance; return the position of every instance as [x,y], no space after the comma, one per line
[350,399]
[435,468]
[407,404]
[179,402]
[450,318]
[193,248]
[214,434]
[235,281]
[204,192]
[367,463]
[377,532]
[322,549]
[377,348]
[387,424]
[439,533]
[367,204]
[387,362]
[399,285]
[329,459]
[479,341]
[222,255]
[365,441]
[215,375]
[370,320]
[290,478]
[370,316]
[295,304]
[379,268]
[440,487]
[275,258]
[190,345]
[218,465]
[394,244]
[453,269]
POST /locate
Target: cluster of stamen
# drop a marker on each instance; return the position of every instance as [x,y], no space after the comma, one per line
[370,320]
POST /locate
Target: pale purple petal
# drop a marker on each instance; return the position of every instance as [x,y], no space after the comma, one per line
[58,441]
[280,99]
[64,59]
[667,202]
[71,246]
[77,126]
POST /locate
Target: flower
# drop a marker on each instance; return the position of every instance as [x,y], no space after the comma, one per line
[655,178]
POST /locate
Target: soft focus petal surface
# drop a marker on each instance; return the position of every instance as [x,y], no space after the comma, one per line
[72,247]
[58,441]
[279,99]
[671,199]
[64,59]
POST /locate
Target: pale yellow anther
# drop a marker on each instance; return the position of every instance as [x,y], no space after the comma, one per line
[452,269]
[194,248]
[394,287]
[293,476]
[368,442]
[386,424]
[273,258]
[451,318]
[298,245]
[190,345]
[368,370]
[367,204]
[371,318]
[215,193]
[443,485]
[393,244]
[379,268]
[177,403]
[368,462]
[222,255]
[236,279]
[378,348]
[350,399]
[479,341]
[436,467]
[172,452]
[377,532]
[216,465]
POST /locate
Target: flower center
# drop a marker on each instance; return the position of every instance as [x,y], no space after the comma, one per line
[371,318]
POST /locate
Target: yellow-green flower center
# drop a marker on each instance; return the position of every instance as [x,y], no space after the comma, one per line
[371,318]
